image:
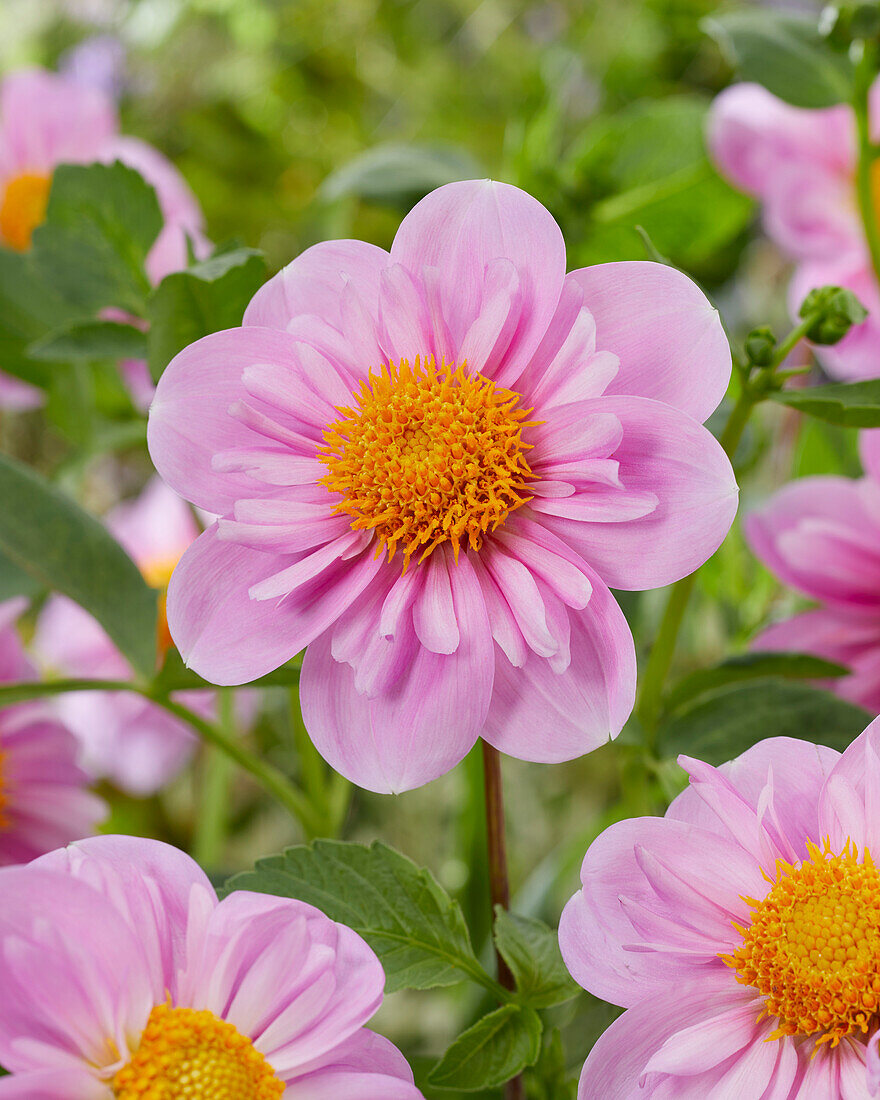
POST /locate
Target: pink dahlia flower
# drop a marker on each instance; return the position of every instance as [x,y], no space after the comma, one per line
[43,797]
[801,164]
[123,737]
[430,465]
[741,932]
[121,976]
[47,120]
[821,536]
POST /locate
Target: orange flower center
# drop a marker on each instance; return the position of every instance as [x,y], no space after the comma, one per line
[23,208]
[813,946]
[428,455]
[157,574]
[186,1054]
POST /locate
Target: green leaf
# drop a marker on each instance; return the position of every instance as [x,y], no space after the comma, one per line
[550,1079]
[399,175]
[753,666]
[531,950]
[62,547]
[14,581]
[175,676]
[207,297]
[89,340]
[101,222]
[785,53]
[495,1049]
[411,923]
[850,404]
[720,725]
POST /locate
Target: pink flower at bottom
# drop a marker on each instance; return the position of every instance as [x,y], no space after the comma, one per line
[44,796]
[741,932]
[821,536]
[801,164]
[430,466]
[122,977]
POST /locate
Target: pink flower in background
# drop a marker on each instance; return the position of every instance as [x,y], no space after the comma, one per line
[122,736]
[801,164]
[821,536]
[47,120]
[44,802]
[430,465]
[741,932]
[121,976]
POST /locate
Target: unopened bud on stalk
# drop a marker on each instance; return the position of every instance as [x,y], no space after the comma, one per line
[833,311]
[760,346]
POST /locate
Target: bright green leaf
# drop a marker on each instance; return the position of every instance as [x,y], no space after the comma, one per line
[531,950]
[62,547]
[785,53]
[850,404]
[89,340]
[495,1049]
[399,175]
[101,222]
[721,724]
[753,666]
[175,676]
[207,297]
[411,923]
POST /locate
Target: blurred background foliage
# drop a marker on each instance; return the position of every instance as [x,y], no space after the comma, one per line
[298,120]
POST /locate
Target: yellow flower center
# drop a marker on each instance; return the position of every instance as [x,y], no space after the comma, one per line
[813,946]
[157,574]
[428,455]
[186,1054]
[23,208]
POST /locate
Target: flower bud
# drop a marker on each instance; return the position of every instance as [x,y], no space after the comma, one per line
[832,310]
[760,346]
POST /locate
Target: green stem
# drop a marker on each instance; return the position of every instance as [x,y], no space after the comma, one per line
[311,765]
[210,830]
[270,777]
[864,76]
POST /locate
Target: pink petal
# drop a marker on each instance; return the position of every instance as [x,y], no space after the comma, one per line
[155,527]
[54,1084]
[459,230]
[229,638]
[849,806]
[16,395]
[665,453]
[666,334]
[538,714]
[423,725]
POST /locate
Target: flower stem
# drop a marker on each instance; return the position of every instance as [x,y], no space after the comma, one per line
[216,775]
[864,76]
[499,881]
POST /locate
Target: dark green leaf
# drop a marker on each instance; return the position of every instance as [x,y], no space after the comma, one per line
[14,581]
[549,1079]
[494,1050]
[52,539]
[531,950]
[101,222]
[88,340]
[175,676]
[753,666]
[411,923]
[207,297]
[399,175]
[722,724]
[785,53]
[850,404]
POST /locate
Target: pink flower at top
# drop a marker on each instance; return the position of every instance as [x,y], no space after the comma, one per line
[741,932]
[430,465]
[47,120]
[801,164]
[44,800]
[122,736]
[821,535]
[121,976]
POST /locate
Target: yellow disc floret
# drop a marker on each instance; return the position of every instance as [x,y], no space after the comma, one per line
[813,946]
[428,455]
[22,209]
[186,1054]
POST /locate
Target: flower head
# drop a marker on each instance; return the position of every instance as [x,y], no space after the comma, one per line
[44,800]
[429,467]
[46,120]
[123,737]
[740,931]
[801,164]
[821,535]
[121,976]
